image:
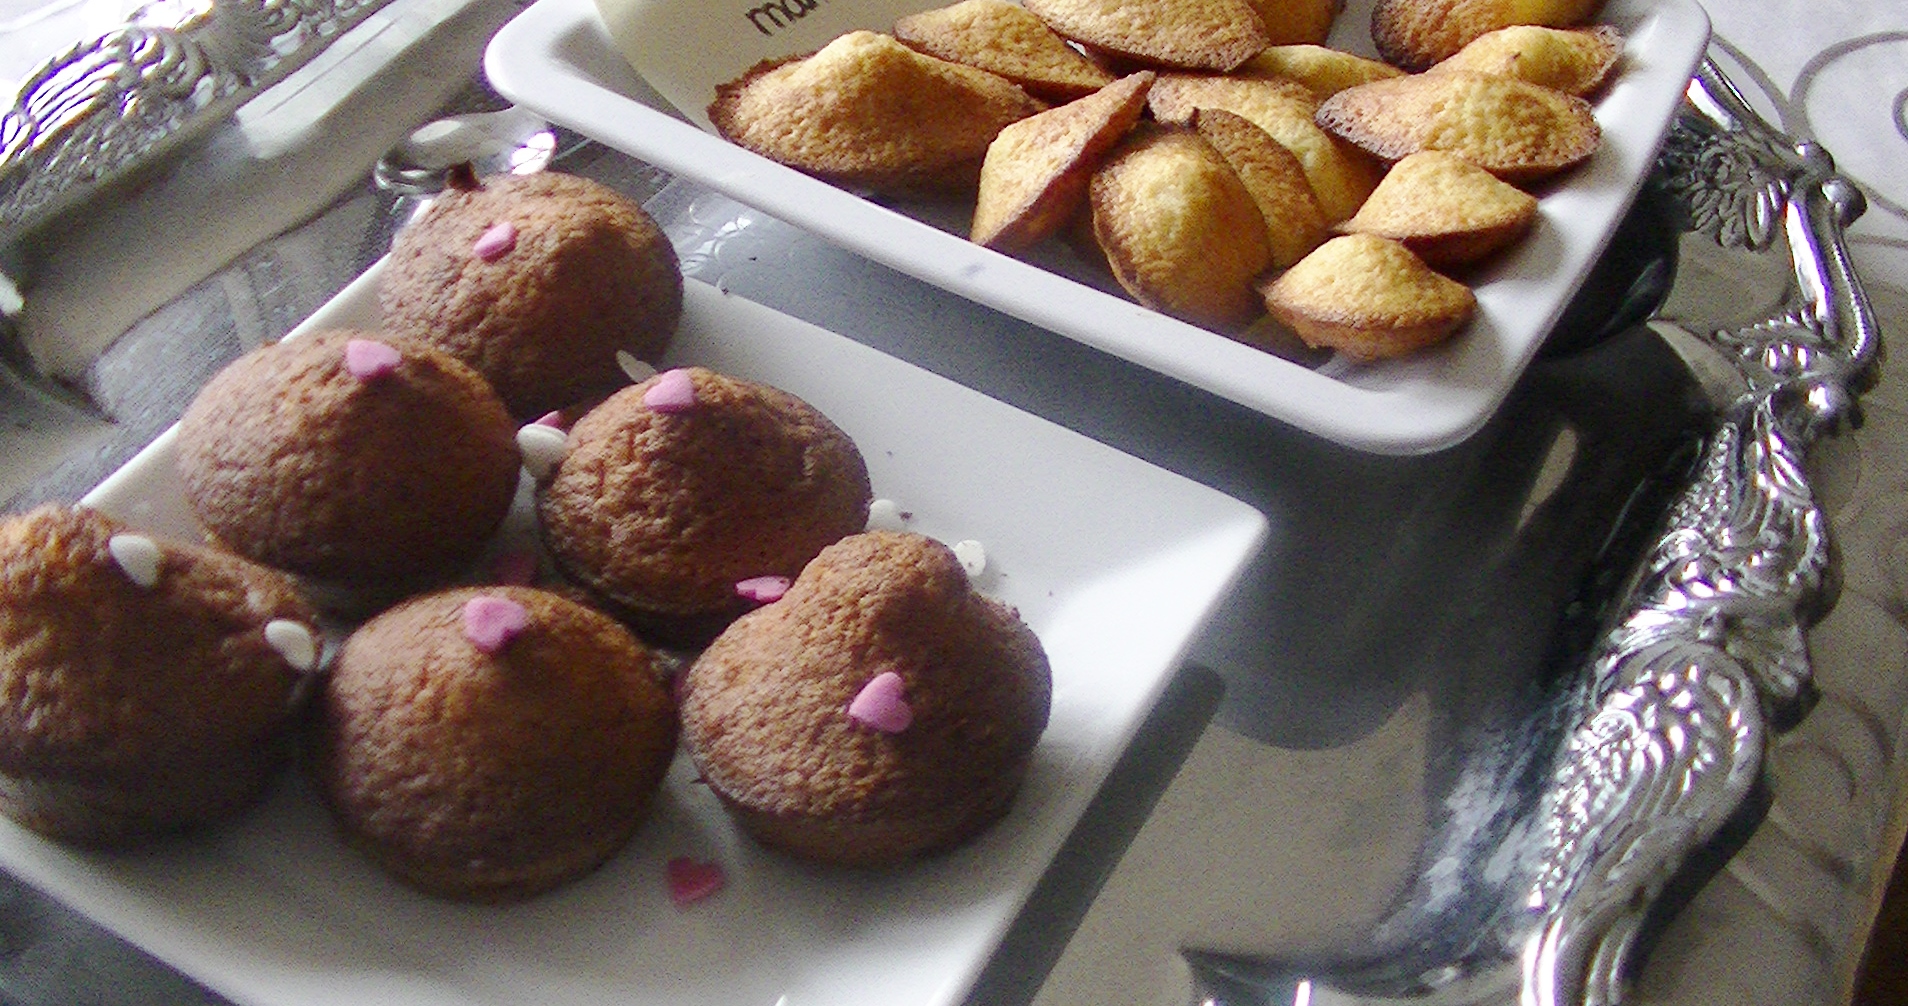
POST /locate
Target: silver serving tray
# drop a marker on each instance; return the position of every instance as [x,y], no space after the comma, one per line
[1626,769]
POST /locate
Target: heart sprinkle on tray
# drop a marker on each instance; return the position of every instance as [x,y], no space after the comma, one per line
[691,880]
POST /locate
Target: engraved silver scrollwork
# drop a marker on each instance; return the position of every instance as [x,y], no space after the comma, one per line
[109,105]
[1711,649]
[1654,741]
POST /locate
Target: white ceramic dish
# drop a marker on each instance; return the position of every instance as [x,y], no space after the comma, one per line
[1114,562]
[561,59]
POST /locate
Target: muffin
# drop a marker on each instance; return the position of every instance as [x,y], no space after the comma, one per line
[146,686]
[881,710]
[348,460]
[674,494]
[536,281]
[488,744]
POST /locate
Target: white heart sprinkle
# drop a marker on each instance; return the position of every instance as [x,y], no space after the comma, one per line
[637,370]
[543,449]
[294,642]
[137,556]
[973,556]
[886,515]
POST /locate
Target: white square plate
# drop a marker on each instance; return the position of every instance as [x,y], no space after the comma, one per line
[560,59]
[1114,562]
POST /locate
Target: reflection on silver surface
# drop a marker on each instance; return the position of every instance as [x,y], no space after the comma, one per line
[1654,747]
[114,103]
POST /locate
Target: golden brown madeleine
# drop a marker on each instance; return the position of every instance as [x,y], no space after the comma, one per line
[1323,71]
[1183,34]
[1369,298]
[1179,229]
[1447,210]
[1513,129]
[1572,60]
[869,113]
[1035,175]
[146,685]
[1341,174]
[1007,39]
[1294,223]
[1297,22]
[491,743]
[882,709]
[1414,34]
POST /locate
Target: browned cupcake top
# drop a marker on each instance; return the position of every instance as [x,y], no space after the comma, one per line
[349,457]
[778,715]
[489,740]
[122,652]
[536,281]
[675,490]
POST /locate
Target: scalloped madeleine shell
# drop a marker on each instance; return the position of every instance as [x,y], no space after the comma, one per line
[1445,209]
[1572,60]
[1184,34]
[1035,177]
[1006,39]
[868,112]
[1179,229]
[1513,129]
[1414,34]
[1368,297]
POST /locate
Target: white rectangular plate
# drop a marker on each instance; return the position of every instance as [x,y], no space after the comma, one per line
[1114,562]
[561,59]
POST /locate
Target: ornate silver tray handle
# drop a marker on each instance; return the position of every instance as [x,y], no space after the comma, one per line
[1711,649]
[1660,734]
[121,100]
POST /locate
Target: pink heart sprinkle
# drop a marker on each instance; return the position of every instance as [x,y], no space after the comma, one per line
[882,704]
[691,881]
[369,359]
[491,622]
[515,568]
[672,391]
[554,417]
[496,242]
[762,589]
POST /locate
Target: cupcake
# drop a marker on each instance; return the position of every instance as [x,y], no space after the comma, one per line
[881,710]
[676,499]
[365,464]
[146,686]
[537,282]
[488,744]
